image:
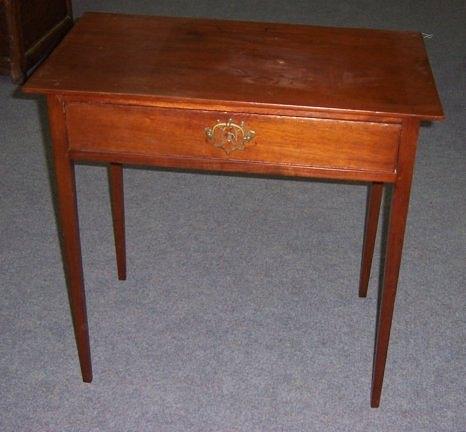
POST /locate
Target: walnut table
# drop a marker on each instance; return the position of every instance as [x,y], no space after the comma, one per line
[258,98]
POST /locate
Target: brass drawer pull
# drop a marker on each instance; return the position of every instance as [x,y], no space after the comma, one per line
[229,136]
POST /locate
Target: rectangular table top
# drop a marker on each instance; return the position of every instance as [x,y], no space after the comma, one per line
[204,62]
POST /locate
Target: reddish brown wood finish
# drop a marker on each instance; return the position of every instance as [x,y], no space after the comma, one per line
[395,236]
[358,149]
[69,225]
[324,102]
[115,177]
[270,65]
[225,106]
[29,30]
[374,198]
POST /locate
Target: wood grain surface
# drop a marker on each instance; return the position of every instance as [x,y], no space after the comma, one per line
[281,141]
[261,64]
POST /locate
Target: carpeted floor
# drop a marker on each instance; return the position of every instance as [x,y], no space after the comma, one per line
[240,312]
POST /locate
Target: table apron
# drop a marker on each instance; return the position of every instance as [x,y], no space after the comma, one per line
[233,142]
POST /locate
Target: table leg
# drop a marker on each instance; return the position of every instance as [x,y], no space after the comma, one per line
[374,198]
[394,244]
[115,176]
[69,226]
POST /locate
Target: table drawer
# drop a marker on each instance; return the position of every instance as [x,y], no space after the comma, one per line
[210,136]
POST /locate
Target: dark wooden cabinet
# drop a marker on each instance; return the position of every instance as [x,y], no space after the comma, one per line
[29,30]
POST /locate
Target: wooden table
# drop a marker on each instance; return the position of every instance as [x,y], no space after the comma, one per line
[259,98]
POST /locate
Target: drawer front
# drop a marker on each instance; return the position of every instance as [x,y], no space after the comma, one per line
[281,141]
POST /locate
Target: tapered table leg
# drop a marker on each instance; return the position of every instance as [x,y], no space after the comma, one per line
[115,176]
[69,226]
[394,244]
[374,198]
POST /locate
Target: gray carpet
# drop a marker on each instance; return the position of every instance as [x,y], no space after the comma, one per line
[240,312]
